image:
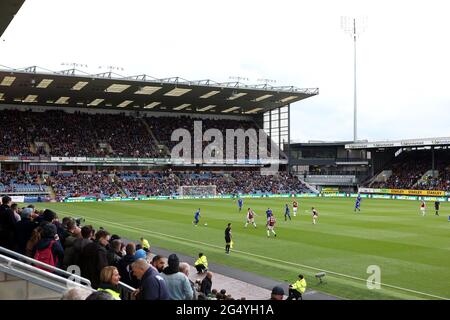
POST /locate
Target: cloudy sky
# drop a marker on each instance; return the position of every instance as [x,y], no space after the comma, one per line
[403,55]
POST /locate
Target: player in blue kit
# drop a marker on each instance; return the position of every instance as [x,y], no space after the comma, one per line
[287,213]
[196,217]
[358,203]
[269,213]
[240,204]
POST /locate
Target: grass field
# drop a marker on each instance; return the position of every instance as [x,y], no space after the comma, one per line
[412,251]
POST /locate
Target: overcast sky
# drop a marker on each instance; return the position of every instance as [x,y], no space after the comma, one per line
[403,55]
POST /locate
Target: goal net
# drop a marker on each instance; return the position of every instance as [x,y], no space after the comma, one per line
[197,191]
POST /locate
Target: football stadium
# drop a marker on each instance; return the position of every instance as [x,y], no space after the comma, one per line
[136,187]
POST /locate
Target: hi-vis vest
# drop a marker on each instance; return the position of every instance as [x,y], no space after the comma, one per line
[116,295]
[202,260]
[300,286]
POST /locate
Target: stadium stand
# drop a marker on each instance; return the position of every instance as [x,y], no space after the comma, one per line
[412,170]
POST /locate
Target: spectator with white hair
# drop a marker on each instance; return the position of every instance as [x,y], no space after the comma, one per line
[184,268]
[77,293]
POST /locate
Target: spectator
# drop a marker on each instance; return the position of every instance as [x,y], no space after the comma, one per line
[124,266]
[206,284]
[152,285]
[24,229]
[177,282]
[109,281]
[184,268]
[50,240]
[15,210]
[93,258]
[158,263]
[114,254]
[76,293]
[7,224]
[73,257]
[277,293]
[100,295]
[36,235]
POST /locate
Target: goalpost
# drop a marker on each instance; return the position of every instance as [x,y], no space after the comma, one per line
[197,191]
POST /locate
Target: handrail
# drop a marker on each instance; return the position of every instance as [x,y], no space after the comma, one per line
[60,284]
[126,291]
[46,266]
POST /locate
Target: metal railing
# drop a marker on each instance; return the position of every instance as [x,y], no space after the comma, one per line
[54,270]
[37,276]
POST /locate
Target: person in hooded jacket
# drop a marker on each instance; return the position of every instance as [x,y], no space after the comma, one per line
[49,237]
[177,283]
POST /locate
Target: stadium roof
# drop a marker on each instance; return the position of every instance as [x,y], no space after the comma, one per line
[400,143]
[8,9]
[108,90]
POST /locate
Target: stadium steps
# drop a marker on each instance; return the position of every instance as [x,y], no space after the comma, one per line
[310,187]
[161,147]
[425,176]
[20,279]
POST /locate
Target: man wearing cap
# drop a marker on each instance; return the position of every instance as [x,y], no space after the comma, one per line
[277,293]
[297,289]
[24,229]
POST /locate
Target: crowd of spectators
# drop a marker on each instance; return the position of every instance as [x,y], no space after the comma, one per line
[103,135]
[413,170]
[96,184]
[102,184]
[103,259]
[21,181]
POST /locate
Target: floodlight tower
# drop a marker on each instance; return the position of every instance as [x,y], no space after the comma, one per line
[349,25]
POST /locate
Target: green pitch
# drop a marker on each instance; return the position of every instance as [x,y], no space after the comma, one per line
[413,252]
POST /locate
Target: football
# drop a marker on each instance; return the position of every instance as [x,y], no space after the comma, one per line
[206,224]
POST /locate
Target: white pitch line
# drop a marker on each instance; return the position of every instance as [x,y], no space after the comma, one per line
[262,257]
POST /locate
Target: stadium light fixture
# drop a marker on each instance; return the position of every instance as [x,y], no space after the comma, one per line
[354,27]
[230,109]
[209,94]
[117,88]
[181,107]
[288,99]
[237,95]
[30,98]
[177,92]
[261,98]
[147,90]
[124,103]
[152,105]
[95,102]
[207,108]
[62,100]
[253,110]
[44,83]
[7,81]
[79,85]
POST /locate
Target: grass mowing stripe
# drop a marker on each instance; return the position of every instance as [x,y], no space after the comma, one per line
[121,226]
